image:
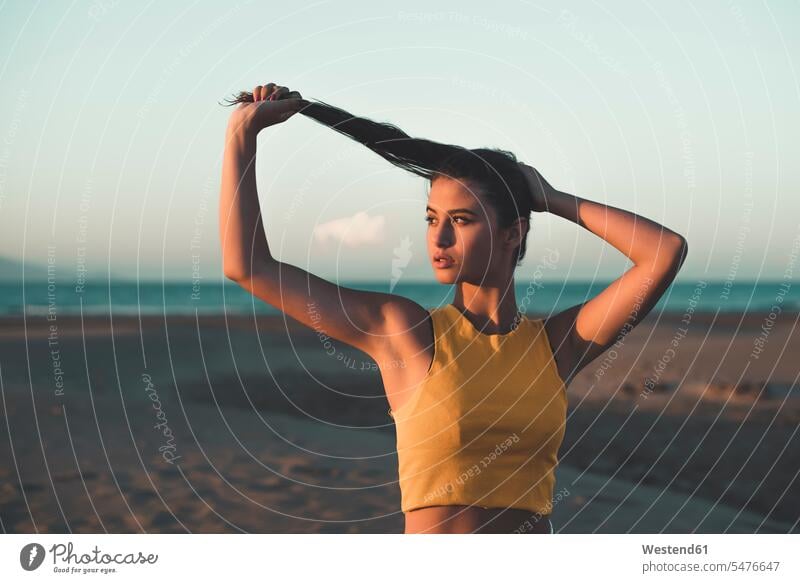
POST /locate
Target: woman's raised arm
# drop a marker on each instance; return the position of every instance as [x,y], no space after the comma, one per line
[583,332]
[244,244]
[359,318]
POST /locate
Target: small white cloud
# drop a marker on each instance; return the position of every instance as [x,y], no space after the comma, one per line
[360,229]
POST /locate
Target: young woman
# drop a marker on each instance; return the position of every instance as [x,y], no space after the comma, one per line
[480,401]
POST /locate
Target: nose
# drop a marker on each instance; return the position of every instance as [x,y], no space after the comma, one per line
[444,235]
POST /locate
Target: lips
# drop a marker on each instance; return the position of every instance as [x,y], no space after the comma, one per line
[443,261]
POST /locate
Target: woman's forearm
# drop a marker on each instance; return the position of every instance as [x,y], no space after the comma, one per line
[640,239]
[244,244]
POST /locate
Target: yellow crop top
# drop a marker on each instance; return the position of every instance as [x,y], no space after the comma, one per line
[485,425]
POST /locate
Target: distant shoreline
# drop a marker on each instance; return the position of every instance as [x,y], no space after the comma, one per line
[701,316]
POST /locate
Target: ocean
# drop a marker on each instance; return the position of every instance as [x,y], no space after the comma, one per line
[539,297]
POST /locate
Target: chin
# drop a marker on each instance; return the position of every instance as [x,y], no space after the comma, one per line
[446,276]
[446,279]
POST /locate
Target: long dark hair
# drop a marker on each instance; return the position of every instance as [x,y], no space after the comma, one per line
[494,172]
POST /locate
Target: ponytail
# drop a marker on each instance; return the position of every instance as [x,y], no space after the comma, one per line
[495,172]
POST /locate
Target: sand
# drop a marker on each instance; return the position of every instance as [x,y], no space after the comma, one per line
[264,431]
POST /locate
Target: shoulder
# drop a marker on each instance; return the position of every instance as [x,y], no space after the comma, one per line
[401,314]
[406,327]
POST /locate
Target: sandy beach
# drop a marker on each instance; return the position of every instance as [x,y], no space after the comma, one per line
[230,424]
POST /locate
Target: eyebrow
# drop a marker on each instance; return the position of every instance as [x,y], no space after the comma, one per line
[453,211]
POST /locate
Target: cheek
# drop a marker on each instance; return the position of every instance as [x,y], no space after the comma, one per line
[477,243]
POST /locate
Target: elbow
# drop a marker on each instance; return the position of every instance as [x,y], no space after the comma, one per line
[242,273]
[234,272]
[237,266]
[669,254]
[672,244]
[681,248]
[674,249]
[233,276]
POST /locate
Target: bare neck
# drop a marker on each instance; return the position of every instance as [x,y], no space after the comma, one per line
[488,307]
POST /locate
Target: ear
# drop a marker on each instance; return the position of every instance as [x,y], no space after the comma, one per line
[516,232]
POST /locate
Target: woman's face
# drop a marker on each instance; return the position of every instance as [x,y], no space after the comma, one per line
[464,228]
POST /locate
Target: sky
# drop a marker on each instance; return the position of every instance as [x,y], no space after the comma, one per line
[111,135]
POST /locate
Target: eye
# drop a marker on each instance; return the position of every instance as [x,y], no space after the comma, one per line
[464,221]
